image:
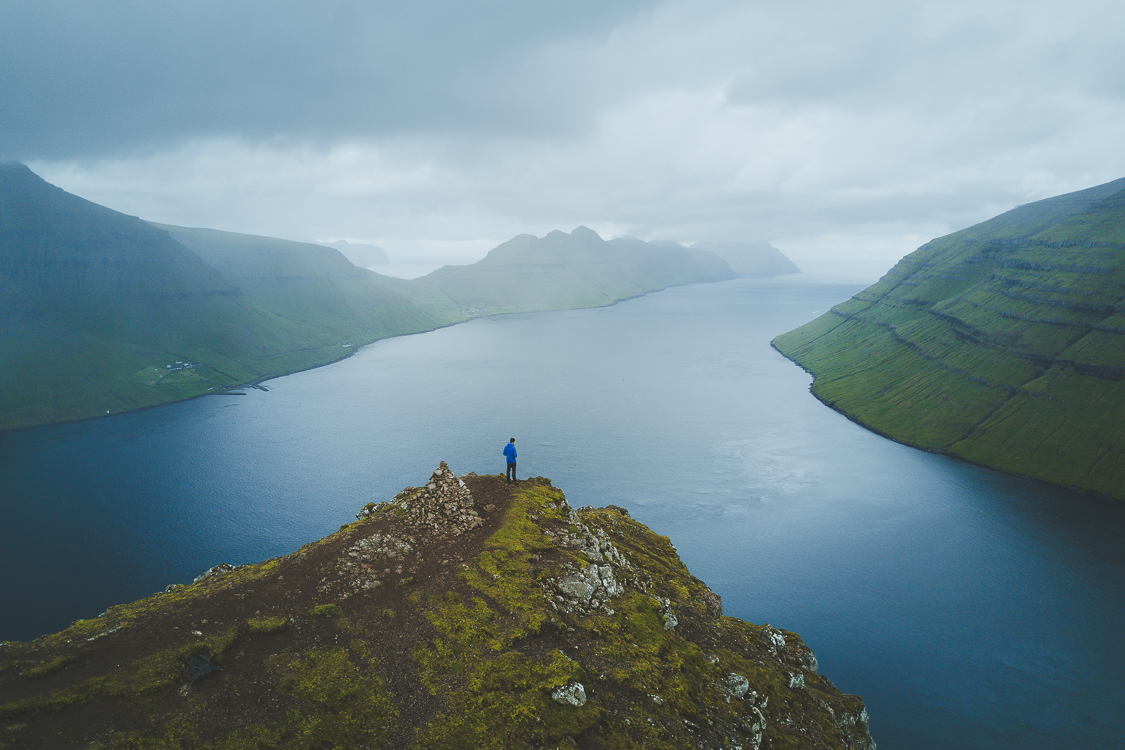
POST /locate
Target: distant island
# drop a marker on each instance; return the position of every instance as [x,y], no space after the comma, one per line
[465,613]
[1003,344]
[102,313]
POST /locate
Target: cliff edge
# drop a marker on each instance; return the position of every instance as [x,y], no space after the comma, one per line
[465,613]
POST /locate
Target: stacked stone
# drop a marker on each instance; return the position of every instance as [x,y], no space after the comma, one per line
[379,546]
[444,506]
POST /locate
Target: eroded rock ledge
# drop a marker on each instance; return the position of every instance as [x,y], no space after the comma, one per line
[464,613]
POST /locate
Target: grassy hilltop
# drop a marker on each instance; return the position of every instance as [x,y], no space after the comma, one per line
[102,312]
[1003,344]
[463,614]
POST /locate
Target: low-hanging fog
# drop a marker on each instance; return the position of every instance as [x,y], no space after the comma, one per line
[845,133]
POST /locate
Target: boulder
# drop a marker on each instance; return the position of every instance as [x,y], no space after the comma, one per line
[570,694]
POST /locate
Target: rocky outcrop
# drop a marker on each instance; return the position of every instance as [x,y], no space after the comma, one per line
[214,570]
[465,613]
[590,583]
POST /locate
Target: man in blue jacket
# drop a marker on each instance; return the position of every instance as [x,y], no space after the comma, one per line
[510,454]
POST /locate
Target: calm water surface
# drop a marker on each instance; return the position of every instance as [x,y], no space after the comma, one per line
[970,609]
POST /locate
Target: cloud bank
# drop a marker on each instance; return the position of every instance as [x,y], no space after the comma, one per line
[844,133]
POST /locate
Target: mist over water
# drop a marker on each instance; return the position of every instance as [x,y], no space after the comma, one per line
[970,609]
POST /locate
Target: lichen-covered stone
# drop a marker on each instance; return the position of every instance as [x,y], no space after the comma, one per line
[773,638]
[734,686]
[570,694]
[215,570]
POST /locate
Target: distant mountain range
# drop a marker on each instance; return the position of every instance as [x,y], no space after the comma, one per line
[1003,344]
[102,312]
[579,269]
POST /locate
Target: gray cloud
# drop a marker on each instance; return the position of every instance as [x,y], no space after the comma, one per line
[845,130]
[86,77]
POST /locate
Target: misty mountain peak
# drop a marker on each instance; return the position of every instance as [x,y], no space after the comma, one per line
[585,233]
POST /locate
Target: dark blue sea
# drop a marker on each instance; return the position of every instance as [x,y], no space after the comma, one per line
[970,609]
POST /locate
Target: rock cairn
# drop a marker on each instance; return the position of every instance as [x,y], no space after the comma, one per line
[444,507]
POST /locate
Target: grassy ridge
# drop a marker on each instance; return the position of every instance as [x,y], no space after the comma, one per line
[318,286]
[90,298]
[102,312]
[1003,344]
[468,643]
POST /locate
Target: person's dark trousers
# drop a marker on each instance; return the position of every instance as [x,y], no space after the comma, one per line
[511,472]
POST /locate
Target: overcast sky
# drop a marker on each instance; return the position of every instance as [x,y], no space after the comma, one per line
[841,132]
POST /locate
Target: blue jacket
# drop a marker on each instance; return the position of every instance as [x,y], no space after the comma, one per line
[510,452]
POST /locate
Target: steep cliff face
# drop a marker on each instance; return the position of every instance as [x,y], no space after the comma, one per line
[1003,344]
[464,613]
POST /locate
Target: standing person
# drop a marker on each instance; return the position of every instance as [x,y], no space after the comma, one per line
[510,454]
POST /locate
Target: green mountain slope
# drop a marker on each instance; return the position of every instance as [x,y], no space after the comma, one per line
[102,312]
[1003,344]
[95,303]
[573,270]
[751,259]
[318,288]
[468,613]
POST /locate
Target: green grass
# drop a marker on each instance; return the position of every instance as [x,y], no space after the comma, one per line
[342,704]
[499,685]
[1003,344]
[154,673]
[326,610]
[266,625]
[49,667]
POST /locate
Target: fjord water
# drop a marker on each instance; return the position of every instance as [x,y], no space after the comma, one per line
[969,608]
